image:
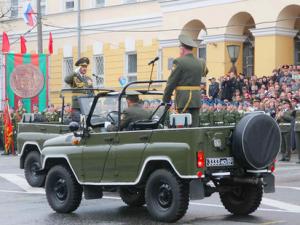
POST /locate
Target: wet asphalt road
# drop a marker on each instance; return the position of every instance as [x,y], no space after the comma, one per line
[21,204]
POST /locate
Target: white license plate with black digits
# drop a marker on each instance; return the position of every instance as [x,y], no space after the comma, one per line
[226,161]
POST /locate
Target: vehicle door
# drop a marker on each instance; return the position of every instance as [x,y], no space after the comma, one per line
[124,158]
[95,152]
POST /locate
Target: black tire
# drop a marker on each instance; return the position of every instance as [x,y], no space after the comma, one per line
[31,165]
[63,192]
[167,196]
[132,196]
[243,199]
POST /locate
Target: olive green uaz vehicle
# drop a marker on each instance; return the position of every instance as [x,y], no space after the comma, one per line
[160,166]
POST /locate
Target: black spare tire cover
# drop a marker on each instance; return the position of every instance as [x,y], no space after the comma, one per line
[256,141]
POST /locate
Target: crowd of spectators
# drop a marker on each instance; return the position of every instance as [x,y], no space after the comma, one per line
[250,93]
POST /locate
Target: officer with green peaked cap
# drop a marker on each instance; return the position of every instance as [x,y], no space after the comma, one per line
[185,79]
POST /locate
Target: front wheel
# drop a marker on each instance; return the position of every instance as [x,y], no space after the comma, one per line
[31,165]
[167,196]
[242,199]
[63,192]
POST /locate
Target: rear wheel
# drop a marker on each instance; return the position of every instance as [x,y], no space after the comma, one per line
[63,192]
[167,196]
[242,199]
[132,196]
[31,165]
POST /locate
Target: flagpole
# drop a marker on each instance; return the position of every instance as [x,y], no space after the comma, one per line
[39,26]
[79,30]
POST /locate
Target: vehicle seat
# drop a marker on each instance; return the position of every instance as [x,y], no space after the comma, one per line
[143,125]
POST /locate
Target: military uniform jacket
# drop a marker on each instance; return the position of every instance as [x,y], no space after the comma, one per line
[297,123]
[133,114]
[76,80]
[285,121]
[218,117]
[205,118]
[230,118]
[187,71]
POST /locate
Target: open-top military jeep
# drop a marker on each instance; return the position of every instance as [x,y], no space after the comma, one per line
[159,166]
[33,133]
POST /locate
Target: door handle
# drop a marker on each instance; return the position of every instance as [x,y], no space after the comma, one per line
[144,138]
[43,129]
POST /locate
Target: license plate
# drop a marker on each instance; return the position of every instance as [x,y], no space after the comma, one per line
[226,161]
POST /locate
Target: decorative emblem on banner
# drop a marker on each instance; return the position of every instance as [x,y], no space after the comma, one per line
[123,80]
[26,81]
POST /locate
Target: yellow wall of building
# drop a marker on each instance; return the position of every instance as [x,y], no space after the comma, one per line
[284,50]
[272,52]
[264,55]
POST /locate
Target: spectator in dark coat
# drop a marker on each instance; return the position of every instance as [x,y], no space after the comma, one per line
[213,90]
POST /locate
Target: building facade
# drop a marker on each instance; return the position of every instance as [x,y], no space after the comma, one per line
[122,36]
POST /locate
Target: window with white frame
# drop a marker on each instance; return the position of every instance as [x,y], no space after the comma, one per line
[69,5]
[98,70]
[202,52]
[67,68]
[43,7]
[14,10]
[100,3]
[131,66]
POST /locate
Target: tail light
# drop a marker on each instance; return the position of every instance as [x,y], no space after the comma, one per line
[200,159]
[273,166]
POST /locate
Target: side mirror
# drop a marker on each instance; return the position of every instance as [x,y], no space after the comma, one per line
[73,126]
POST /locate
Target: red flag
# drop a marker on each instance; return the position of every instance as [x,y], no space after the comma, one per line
[23,45]
[50,45]
[5,43]
[8,130]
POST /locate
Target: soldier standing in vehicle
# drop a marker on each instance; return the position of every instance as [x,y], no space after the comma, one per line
[185,79]
[79,79]
[284,118]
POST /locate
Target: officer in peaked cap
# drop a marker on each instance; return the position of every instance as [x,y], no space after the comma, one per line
[185,79]
[84,61]
[79,78]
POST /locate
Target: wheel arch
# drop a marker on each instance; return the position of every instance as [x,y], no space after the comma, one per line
[26,149]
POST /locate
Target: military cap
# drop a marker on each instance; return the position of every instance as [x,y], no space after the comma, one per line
[187,40]
[84,61]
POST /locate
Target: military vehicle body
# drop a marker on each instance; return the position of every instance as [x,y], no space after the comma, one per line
[31,136]
[162,167]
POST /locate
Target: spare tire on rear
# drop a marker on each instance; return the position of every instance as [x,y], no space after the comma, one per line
[256,141]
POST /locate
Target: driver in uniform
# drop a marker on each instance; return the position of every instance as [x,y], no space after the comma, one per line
[134,112]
